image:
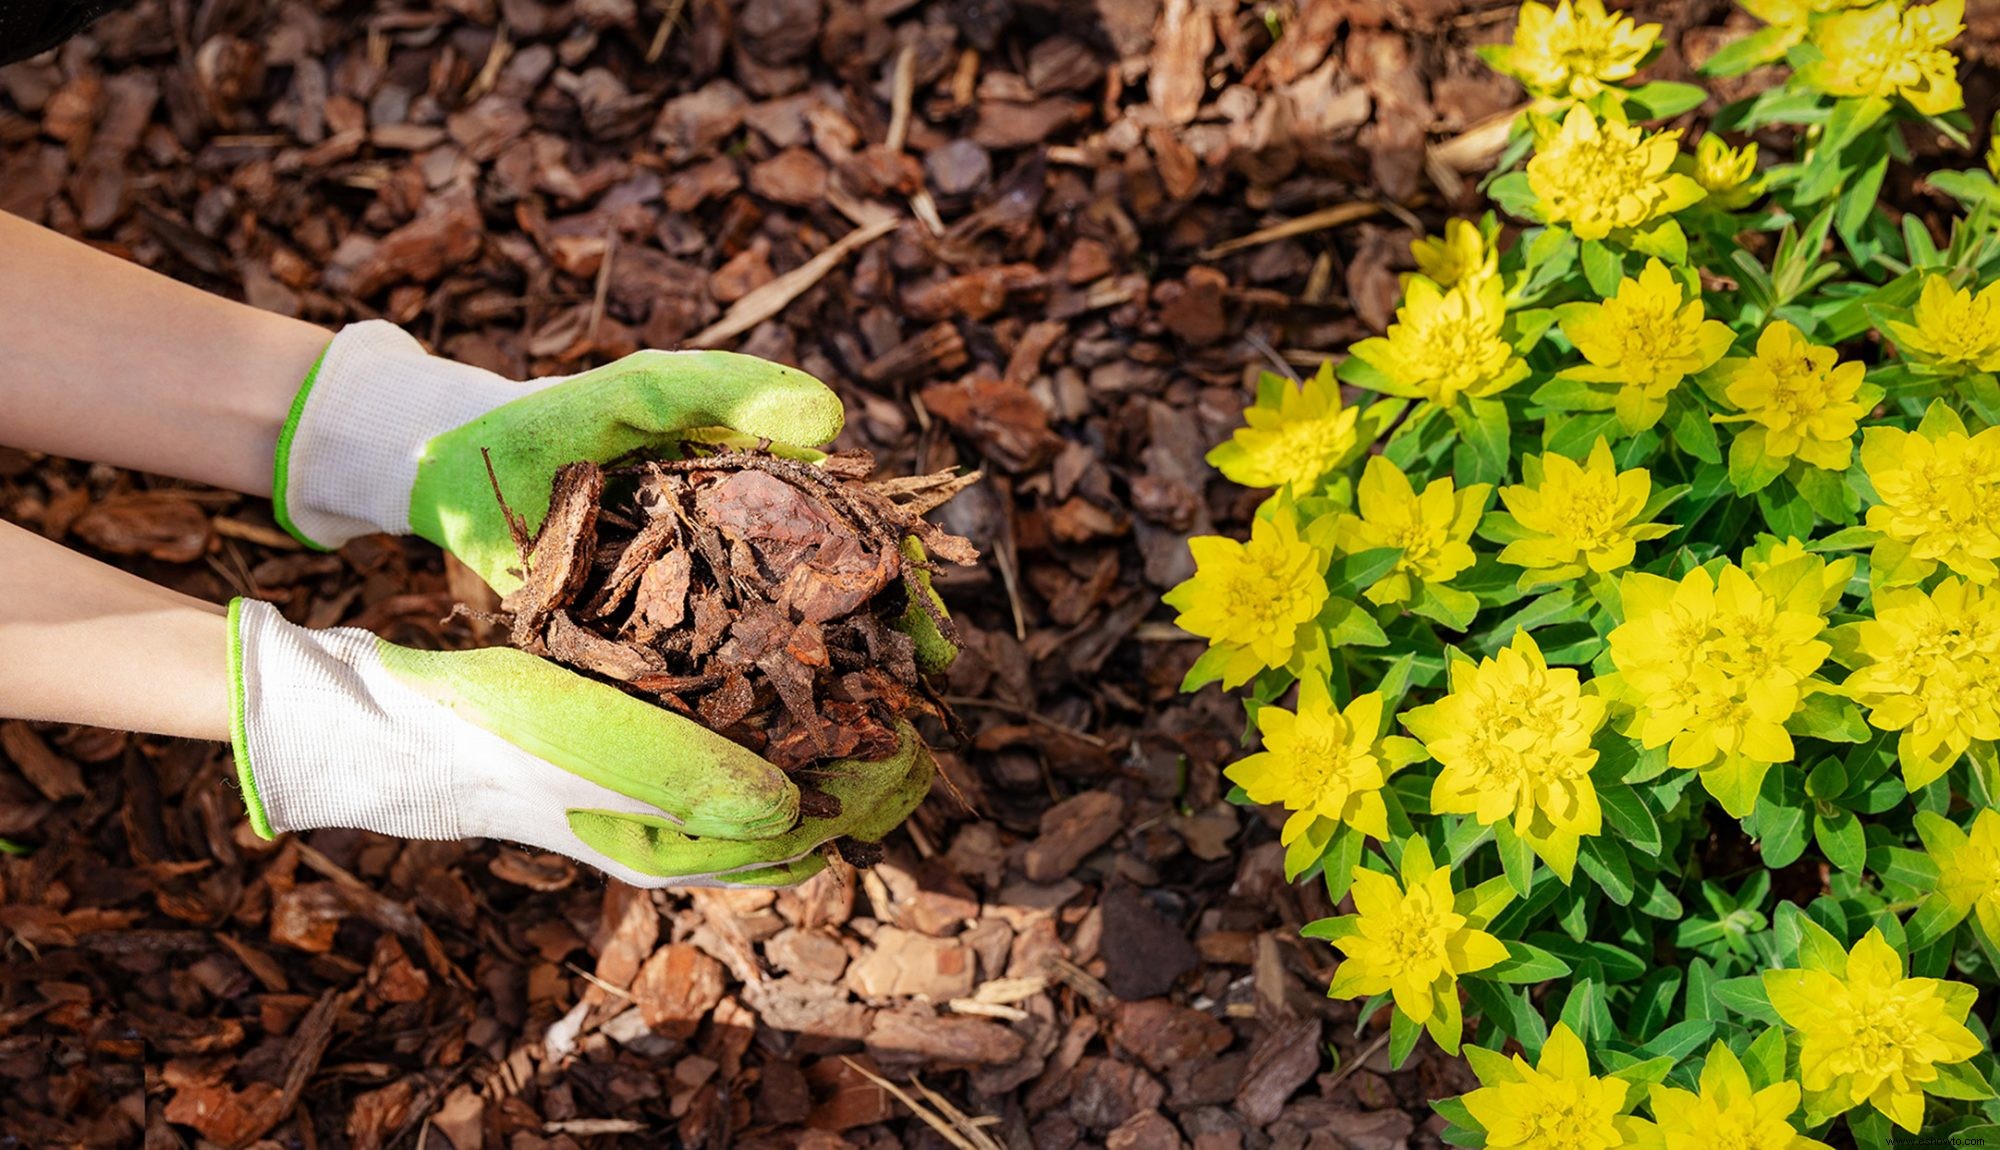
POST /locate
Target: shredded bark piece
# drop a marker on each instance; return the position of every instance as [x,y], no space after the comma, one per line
[767,597]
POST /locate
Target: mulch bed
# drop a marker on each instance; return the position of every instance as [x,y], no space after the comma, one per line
[1023,236]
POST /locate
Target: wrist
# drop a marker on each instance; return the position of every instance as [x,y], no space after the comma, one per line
[346,459]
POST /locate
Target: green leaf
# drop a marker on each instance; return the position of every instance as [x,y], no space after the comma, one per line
[1745,996]
[1329,929]
[1512,195]
[1693,432]
[1841,839]
[1680,1040]
[1403,1035]
[1575,435]
[1484,429]
[1525,963]
[1208,668]
[1517,859]
[1785,511]
[1662,99]
[1959,1080]
[1741,55]
[1350,575]
[1447,605]
[1829,717]
[1764,1062]
[1585,1013]
[1605,862]
[1347,625]
[1625,809]
[1603,267]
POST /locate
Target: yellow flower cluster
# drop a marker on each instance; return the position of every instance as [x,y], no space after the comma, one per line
[1574,520]
[1514,738]
[1955,331]
[1889,50]
[1252,601]
[1464,254]
[1799,399]
[1644,340]
[1869,1034]
[1413,939]
[1573,52]
[1728,175]
[1601,178]
[1727,1112]
[1928,666]
[1323,763]
[1432,529]
[1556,1104]
[1968,866]
[1446,343]
[1292,435]
[1939,493]
[1714,665]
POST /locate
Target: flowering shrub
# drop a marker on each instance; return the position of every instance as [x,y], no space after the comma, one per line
[1622,632]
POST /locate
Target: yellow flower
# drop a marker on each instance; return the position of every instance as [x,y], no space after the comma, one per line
[1460,256]
[1576,519]
[1929,668]
[1727,1112]
[1556,1104]
[1251,600]
[1296,435]
[1956,330]
[1432,528]
[1802,402]
[1868,1033]
[1645,339]
[1714,667]
[1514,740]
[1968,866]
[1940,500]
[1770,561]
[1794,17]
[1728,175]
[1600,178]
[1322,762]
[1889,50]
[1445,344]
[1573,53]
[1993,147]
[1413,939]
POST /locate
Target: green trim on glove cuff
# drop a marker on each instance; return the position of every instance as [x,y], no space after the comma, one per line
[704,784]
[283,463]
[239,743]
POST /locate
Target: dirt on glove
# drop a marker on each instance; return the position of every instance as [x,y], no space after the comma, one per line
[779,603]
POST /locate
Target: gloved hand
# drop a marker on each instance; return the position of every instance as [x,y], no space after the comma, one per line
[339,728]
[384,437]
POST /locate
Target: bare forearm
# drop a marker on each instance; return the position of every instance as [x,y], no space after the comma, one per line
[103,360]
[82,642]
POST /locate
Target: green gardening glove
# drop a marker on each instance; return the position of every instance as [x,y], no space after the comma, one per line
[339,728]
[384,437]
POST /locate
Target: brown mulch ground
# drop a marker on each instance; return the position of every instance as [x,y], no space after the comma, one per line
[1012,234]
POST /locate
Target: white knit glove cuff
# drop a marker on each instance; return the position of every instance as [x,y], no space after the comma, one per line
[347,457]
[326,736]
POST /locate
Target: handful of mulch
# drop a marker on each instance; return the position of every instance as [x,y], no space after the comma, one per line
[770,599]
